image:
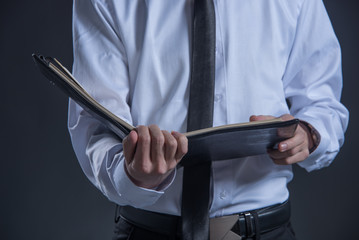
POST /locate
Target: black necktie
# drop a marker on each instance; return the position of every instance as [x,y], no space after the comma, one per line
[196,179]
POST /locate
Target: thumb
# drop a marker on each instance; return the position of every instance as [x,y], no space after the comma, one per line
[129,146]
[260,118]
[286,117]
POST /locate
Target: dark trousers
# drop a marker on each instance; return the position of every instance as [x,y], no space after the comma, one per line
[126,231]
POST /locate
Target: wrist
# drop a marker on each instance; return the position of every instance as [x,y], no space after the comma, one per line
[313,135]
[152,183]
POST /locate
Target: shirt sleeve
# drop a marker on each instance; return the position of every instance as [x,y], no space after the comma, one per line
[100,65]
[313,82]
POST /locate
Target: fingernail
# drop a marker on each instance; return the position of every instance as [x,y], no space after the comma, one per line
[174,133]
[283,146]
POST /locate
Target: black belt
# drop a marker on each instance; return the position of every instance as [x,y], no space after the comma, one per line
[248,223]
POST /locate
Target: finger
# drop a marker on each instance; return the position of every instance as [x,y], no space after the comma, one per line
[170,146]
[276,154]
[129,146]
[157,144]
[300,156]
[299,138]
[142,158]
[182,145]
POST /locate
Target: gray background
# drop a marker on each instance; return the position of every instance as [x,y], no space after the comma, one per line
[45,195]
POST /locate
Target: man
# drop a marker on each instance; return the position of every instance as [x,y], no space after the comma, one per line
[134,58]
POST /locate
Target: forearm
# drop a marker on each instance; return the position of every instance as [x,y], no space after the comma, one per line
[313,82]
[100,155]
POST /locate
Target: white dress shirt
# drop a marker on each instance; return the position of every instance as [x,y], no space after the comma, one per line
[134,58]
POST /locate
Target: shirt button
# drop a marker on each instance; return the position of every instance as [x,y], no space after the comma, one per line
[218,97]
[223,195]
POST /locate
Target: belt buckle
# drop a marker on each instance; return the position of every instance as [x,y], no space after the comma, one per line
[248,224]
[220,228]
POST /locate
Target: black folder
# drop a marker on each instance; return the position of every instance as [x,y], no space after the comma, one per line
[210,144]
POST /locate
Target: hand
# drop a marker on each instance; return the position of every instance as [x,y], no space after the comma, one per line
[151,154]
[292,150]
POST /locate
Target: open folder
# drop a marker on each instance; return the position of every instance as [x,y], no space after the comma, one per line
[209,144]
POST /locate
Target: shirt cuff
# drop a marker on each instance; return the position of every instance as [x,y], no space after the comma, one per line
[138,196]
